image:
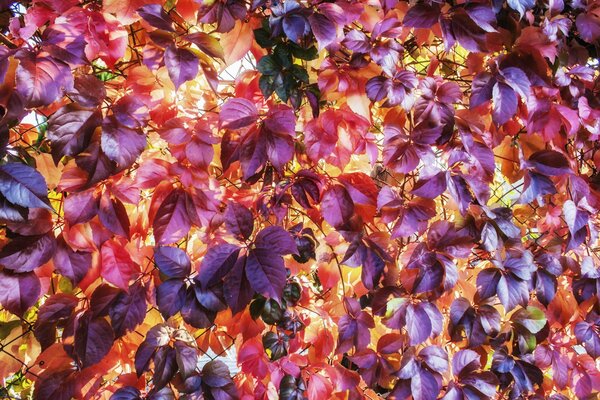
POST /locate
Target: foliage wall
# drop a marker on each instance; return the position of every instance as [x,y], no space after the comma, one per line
[228,199]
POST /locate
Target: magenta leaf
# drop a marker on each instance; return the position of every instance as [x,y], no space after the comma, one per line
[182,65]
[23,186]
[237,113]
[337,206]
[172,221]
[117,266]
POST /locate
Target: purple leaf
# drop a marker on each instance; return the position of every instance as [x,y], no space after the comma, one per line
[26,253]
[113,215]
[172,261]
[430,187]
[323,28]
[165,366]
[239,221]
[512,292]
[549,162]
[23,186]
[120,143]
[418,324]
[277,240]
[194,313]
[487,282]
[505,103]
[465,360]
[71,128]
[172,221]
[216,374]
[521,6]
[170,297]
[435,357]
[357,41]
[237,113]
[182,65]
[217,262]
[483,15]
[57,307]
[575,218]
[236,287]
[102,299]
[186,357]
[424,386]
[588,25]
[81,207]
[337,206]
[41,80]
[126,393]
[516,79]
[71,264]
[18,292]
[266,273]
[535,186]
[422,16]
[482,89]
[143,355]
[128,310]
[156,16]
[93,340]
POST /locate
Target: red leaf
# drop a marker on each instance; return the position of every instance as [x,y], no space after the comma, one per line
[117,266]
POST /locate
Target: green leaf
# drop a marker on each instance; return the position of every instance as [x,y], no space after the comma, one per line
[530,318]
[268,66]
[263,38]
[265,83]
[283,55]
[305,54]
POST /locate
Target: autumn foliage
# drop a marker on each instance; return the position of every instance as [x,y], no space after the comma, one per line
[338,199]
